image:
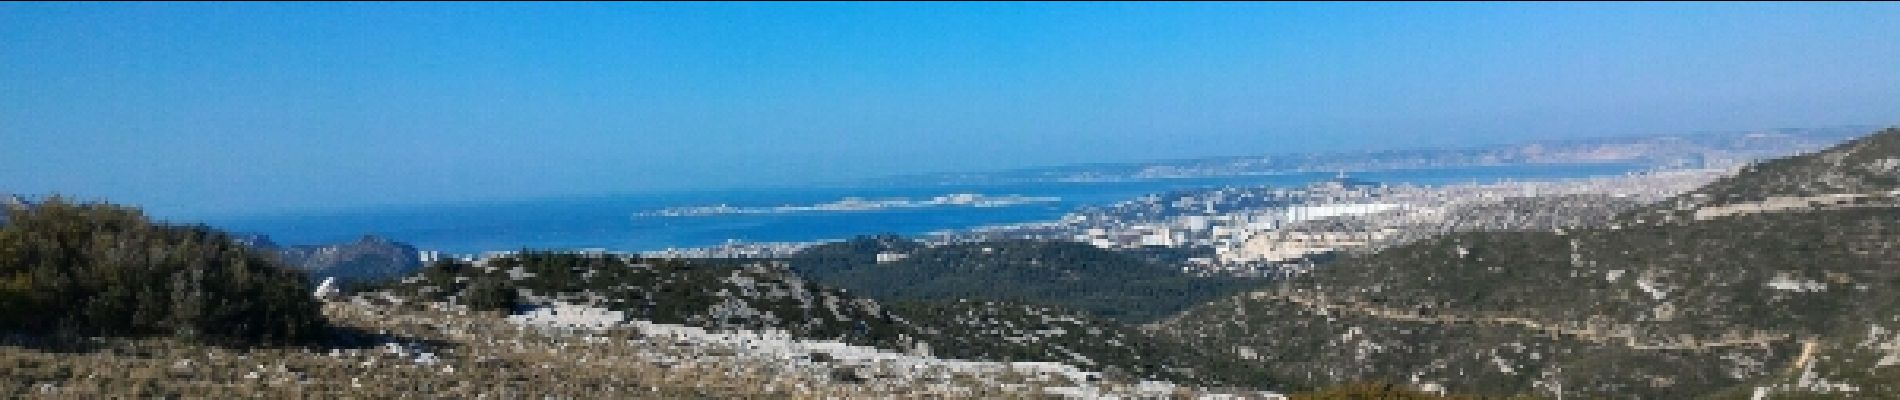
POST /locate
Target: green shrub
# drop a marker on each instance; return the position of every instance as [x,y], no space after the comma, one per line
[490,294]
[101,269]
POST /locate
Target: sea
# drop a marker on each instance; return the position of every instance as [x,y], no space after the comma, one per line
[627,222]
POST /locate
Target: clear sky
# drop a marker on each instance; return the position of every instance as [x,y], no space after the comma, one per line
[230,108]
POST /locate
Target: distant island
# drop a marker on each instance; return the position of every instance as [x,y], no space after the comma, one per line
[857,204]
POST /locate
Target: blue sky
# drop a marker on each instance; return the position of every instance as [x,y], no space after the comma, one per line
[224,108]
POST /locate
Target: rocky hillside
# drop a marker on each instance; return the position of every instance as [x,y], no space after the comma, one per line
[765,296]
[420,350]
[1868,165]
[1754,297]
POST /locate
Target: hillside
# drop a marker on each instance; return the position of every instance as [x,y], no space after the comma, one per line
[1070,275]
[1789,300]
[762,296]
[418,350]
[1867,165]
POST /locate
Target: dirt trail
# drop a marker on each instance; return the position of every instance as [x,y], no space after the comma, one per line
[1808,348]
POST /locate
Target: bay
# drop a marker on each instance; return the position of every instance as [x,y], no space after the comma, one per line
[615,222]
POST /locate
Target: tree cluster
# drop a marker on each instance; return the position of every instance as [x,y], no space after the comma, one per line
[89,269]
[1070,275]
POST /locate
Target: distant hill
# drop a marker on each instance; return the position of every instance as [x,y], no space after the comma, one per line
[1070,275]
[1733,294]
[368,258]
[1670,150]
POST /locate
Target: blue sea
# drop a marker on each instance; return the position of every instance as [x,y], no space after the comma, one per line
[613,222]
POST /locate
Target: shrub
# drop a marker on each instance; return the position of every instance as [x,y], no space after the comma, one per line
[102,269]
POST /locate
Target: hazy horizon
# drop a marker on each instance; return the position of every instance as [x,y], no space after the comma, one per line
[221,109]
